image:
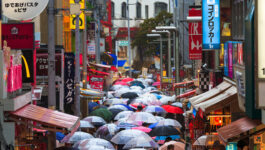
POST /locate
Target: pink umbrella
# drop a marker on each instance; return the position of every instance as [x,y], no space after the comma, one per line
[141,128]
[156,84]
[127,80]
[120,83]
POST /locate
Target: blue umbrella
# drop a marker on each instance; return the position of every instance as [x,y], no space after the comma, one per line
[173,137]
[59,136]
[128,107]
[157,95]
[154,109]
[153,125]
[92,105]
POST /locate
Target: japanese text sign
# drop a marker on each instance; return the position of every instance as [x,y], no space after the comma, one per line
[96,82]
[211,24]
[195,37]
[19,35]
[69,74]
[81,16]
[23,9]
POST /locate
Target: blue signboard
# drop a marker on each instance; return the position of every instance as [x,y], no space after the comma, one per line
[211,24]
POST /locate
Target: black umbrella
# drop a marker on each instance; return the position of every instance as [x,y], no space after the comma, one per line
[130,95]
[115,111]
[164,131]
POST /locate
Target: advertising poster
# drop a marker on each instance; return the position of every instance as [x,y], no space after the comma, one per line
[226,59]
[195,36]
[211,24]
[69,74]
[122,49]
[230,59]
[240,54]
[96,82]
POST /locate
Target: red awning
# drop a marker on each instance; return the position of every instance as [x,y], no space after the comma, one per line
[236,128]
[98,72]
[185,84]
[190,93]
[48,119]
[123,32]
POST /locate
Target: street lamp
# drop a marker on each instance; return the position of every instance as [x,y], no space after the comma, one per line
[175,50]
[169,51]
[161,55]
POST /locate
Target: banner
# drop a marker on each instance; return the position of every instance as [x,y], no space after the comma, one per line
[195,36]
[211,24]
[69,75]
[42,64]
[96,82]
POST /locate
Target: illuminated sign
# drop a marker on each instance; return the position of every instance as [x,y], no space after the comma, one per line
[211,24]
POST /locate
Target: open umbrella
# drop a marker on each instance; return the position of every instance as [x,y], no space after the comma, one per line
[177,104]
[142,117]
[123,114]
[85,144]
[95,147]
[122,107]
[130,95]
[154,109]
[120,83]
[77,136]
[115,111]
[146,142]
[156,84]
[159,118]
[106,131]
[113,101]
[103,113]
[92,106]
[206,140]
[177,145]
[127,80]
[95,120]
[173,109]
[144,129]
[124,136]
[86,124]
[169,122]
[135,105]
[125,125]
[164,131]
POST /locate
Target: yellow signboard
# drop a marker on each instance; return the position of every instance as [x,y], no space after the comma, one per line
[81,16]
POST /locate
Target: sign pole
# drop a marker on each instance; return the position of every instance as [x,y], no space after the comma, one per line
[129,40]
[51,69]
[77,66]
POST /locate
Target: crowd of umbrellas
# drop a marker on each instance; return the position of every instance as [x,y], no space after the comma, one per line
[134,115]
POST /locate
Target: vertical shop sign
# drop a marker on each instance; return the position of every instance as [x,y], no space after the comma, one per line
[69,74]
[81,16]
[96,82]
[211,24]
[195,37]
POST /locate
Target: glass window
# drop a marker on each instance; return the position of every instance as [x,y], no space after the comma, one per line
[123,10]
[159,6]
[146,11]
[112,10]
[138,10]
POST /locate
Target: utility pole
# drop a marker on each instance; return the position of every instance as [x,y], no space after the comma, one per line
[51,69]
[98,37]
[129,40]
[77,66]
[169,55]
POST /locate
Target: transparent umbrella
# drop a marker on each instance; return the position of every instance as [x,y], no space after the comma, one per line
[77,136]
[85,144]
[124,136]
[154,109]
[123,114]
[169,122]
[95,147]
[95,120]
[142,117]
[141,142]
[118,107]
[86,124]
[106,131]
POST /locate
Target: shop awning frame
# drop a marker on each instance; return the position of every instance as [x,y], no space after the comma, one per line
[46,119]
[236,128]
[190,93]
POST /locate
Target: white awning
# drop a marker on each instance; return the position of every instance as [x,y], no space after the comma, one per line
[210,94]
[219,101]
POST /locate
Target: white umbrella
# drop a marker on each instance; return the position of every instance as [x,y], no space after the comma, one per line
[177,104]
[142,117]
[123,114]
[86,124]
[169,122]
[124,136]
[159,118]
[77,136]
[113,101]
[146,142]
[85,144]
[118,107]
[166,99]
[95,120]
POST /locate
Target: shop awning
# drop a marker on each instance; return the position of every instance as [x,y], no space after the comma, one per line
[101,66]
[236,128]
[210,94]
[190,93]
[98,72]
[185,84]
[218,102]
[50,120]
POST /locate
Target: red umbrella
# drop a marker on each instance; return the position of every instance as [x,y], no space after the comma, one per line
[135,105]
[127,80]
[173,109]
[120,83]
